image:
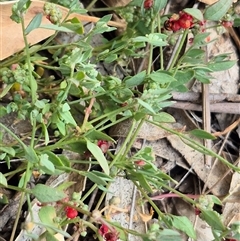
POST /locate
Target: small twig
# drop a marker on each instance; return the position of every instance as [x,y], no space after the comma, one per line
[213,97]
[206,117]
[223,107]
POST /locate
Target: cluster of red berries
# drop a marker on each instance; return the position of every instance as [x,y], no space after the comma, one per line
[179,21]
[107,234]
[71,212]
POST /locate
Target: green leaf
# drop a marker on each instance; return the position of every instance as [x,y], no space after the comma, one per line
[45,132]
[146,105]
[75,25]
[35,23]
[5,90]
[220,66]
[184,224]
[3,180]
[8,150]
[202,134]
[213,219]
[47,215]
[199,39]
[143,182]
[65,185]
[236,22]
[217,10]
[161,77]
[47,194]
[135,80]
[94,134]
[158,5]
[94,178]
[202,76]
[23,5]
[68,118]
[182,78]
[156,39]
[110,58]
[30,154]
[56,28]
[56,161]
[196,13]
[3,199]
[216,200]
[169,235]
[97,153]
[46,165]
[163,117]
[195,53]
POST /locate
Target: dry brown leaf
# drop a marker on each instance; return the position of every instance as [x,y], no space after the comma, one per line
[12,39]
[146,217]
[196,160]
[231,208]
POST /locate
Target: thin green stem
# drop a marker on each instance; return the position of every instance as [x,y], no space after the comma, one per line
[32,81]
[112,113]
[100,200]
[133,137]
[111,124]
[21,202]
[176,56]
[91,4]
[88,193]
[150,52]
[160,48]
[123,147]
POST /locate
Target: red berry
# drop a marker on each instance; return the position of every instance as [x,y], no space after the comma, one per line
[185,23]
[186,16]
[103,230]
[111,236]
[148,4]
[175,26]
[71,212]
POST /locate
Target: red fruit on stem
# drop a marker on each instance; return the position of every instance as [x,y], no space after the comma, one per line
[71,212]
[111,236]
[148,4]
[103,230]
[185,23]
[175,26]
[104,145]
